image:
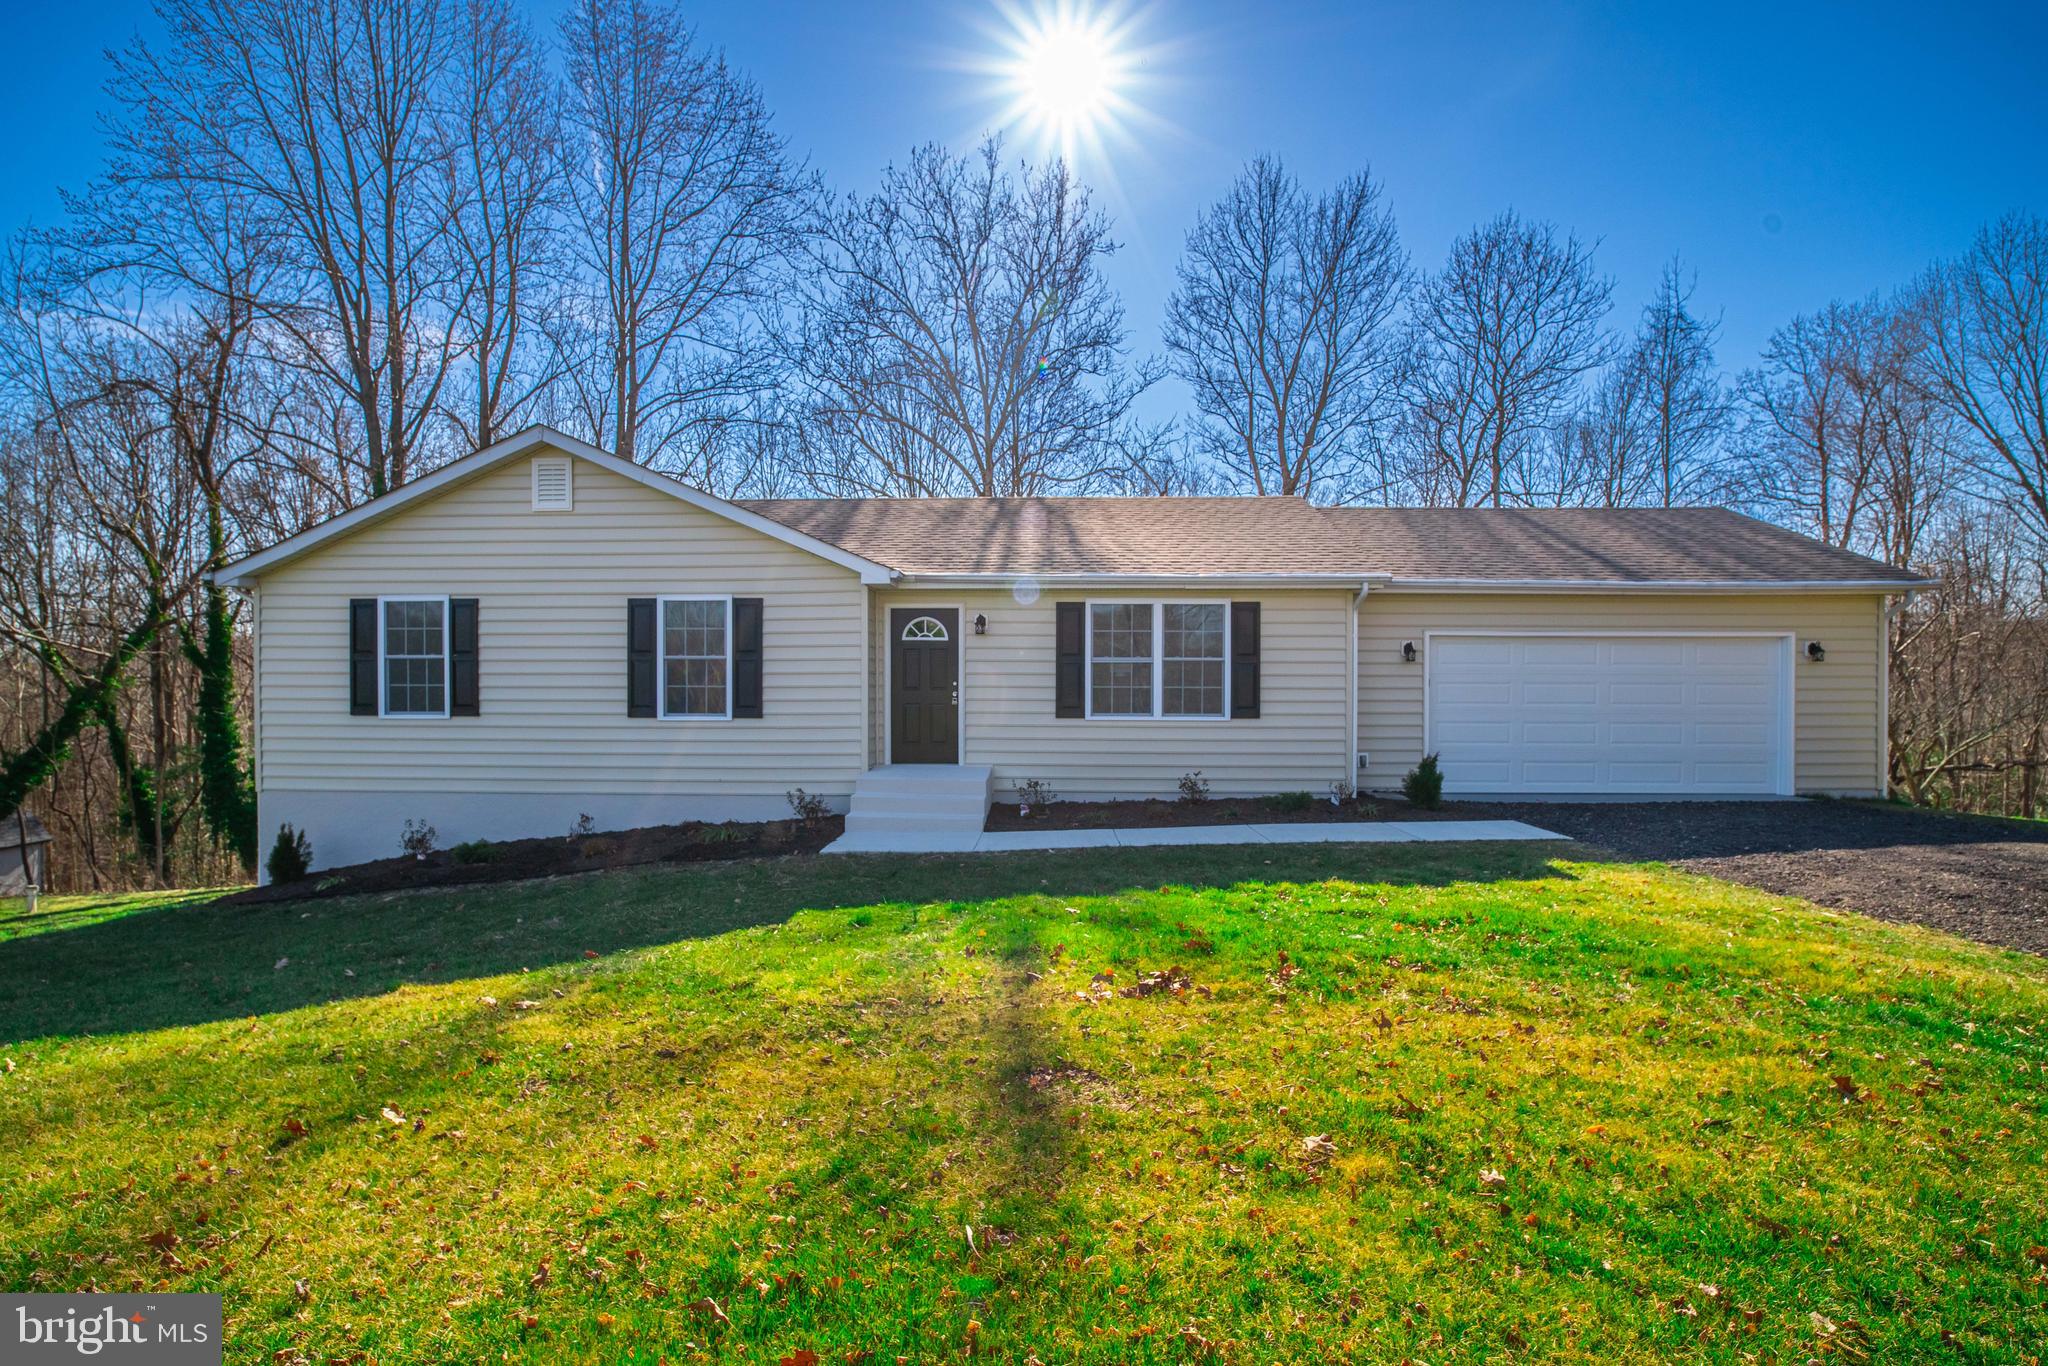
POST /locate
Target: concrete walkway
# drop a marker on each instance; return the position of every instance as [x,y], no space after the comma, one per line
[1320,832]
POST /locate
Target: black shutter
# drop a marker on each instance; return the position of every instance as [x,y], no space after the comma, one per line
[1244,659]
[362,656]
[640,657]
[462,681]
[746,657]
[1070,639]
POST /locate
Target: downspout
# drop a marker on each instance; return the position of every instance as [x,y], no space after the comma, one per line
[1351,682]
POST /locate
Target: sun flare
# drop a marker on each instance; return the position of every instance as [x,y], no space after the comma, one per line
[1067,72]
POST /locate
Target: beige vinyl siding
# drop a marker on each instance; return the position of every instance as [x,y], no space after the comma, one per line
[552,590]
[1298,742]
[1836,703]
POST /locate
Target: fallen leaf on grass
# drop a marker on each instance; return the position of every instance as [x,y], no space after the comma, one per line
[1491,1179]
[1174,980]
[709,1307]
[1317,1149]
[590,953]
[801,1357]
[394,1116]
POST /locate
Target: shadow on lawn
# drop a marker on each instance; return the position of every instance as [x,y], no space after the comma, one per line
[162,968]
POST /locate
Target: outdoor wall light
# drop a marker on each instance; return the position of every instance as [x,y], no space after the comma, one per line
[1407,652]
[980,624]
[1815,651]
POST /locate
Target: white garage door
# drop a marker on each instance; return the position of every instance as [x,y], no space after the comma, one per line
[1664,714]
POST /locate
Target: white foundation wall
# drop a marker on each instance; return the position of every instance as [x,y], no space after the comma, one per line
[553,740]
[1299,742]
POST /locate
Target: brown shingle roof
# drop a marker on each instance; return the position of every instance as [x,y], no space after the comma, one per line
[1052,536]
[1222,536]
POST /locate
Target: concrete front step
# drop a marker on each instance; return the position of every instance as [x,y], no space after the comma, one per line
[911,802]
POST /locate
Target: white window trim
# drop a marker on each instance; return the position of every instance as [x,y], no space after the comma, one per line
[662,657]
[447,661]
[1158,606]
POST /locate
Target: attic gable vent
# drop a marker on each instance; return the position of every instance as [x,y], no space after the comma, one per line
[553,487]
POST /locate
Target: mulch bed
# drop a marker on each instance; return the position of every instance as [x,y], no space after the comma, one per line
[552,856]
[1979,877]
[1157,813]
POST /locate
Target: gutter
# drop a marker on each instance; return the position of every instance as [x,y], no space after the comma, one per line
[1657,585]
[1061,582]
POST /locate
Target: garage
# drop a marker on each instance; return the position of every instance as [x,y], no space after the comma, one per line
[1696,715]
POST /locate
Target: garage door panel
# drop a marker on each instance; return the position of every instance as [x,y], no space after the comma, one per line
[1566,693]
[1479,693]
[1536,732]
[1662,714]
[1646,732]
[1462,650]
[1539,653]
[1657,654]
[1475,733]
[1639,693]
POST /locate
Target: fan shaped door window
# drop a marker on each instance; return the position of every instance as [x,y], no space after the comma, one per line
[924,685]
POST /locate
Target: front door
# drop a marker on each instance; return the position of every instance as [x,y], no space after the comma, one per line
[924,687]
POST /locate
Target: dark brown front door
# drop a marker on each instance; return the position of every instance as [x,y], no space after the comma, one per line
[924,685]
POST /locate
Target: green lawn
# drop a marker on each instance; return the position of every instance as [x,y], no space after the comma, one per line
[1442,1103]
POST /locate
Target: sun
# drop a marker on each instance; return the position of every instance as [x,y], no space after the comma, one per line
[1067,72]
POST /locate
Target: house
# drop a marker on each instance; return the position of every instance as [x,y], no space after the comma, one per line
[24,843]
[540,631]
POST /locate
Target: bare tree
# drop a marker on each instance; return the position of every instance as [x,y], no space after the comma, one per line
[1279,325]
[1650,432]
[322,113]
[1839,440]
[1502,337]
[959,337]
[502,134]
[685,199]
[1984,352]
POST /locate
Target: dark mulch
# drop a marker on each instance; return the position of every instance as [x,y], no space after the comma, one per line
[1155,814]
[513,860]
[1976,876]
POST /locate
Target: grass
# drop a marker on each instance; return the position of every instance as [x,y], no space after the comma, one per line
[1488,1105]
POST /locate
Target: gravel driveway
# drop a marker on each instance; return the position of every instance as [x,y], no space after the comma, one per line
[1975,876]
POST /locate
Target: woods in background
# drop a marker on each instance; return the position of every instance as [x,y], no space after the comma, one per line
[334,246]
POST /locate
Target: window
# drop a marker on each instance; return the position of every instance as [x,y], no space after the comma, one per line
[1120,658]
[925,628]
[1157,659]
[1191,658]
[696,658]
[414,642]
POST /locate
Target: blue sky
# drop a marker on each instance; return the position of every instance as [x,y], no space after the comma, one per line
[1790,154]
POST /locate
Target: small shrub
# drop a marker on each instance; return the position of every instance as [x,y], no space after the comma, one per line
[418,839]
[1194,788]
[1368,808]
[475,851]
[716,834]
[1291,801]
[1424,785]
[598,848]
[1198,940]
[808,807]
[291,856]
[1034,792]
[584,827]
[1342,792]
